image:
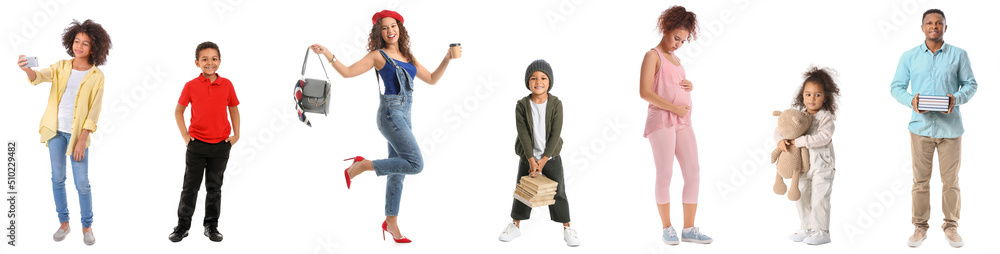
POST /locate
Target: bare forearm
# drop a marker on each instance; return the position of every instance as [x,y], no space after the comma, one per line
[31,74]
[658,101]
[436,75]
[179,117]
[234,115]
[84,136]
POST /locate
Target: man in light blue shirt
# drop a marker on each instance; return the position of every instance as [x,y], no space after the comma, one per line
[936,69]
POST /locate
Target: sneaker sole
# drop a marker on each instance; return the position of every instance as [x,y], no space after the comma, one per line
[818,243]
[508,240]
[955,244]
[697,241]
[670,242]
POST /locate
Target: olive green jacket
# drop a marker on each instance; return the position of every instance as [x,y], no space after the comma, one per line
[524,145]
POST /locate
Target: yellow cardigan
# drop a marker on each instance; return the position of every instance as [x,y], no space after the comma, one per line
[88,101]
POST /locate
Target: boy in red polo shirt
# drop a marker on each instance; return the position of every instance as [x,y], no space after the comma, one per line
[208,141]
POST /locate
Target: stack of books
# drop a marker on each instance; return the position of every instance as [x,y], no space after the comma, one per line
[536,191]
[932,103]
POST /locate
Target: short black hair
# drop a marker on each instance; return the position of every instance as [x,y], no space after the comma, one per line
[100,41]
[207,45]
[932,11]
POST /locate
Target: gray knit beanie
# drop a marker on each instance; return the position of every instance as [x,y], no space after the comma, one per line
[539,65]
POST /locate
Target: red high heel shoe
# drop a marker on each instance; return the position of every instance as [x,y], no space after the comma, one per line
[348,176]
[386,229]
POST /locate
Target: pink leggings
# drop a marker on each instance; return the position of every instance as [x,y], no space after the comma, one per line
[667,142]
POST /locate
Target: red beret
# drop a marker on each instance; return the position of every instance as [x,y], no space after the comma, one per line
[387,13]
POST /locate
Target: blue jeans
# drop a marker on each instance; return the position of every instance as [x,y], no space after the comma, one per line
[404,154]
[57,154]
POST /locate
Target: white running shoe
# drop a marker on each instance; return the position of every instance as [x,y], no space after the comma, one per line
[799,235]
[509,233]
[569,235]
[817,238]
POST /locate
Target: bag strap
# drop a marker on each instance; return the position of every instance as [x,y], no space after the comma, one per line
[306,60]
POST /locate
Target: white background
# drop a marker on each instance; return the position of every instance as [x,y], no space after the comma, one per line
[284,190]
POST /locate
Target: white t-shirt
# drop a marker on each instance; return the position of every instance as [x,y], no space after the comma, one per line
[68,102]
[538,127]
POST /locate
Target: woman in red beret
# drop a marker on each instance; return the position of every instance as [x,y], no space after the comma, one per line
[389,54]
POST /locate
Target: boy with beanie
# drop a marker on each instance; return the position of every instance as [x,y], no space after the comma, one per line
[539,126]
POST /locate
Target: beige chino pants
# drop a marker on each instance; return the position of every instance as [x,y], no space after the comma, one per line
[950,157]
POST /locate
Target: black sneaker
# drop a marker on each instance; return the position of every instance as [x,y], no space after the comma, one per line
[213,234]
[177,235]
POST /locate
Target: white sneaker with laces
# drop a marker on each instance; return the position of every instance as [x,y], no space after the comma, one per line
[800,235]
[509,233]
[817,238]
[570,236]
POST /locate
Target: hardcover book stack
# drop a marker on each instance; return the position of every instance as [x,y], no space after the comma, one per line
[536,191]
[932,103]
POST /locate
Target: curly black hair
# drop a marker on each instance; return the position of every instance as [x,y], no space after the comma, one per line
[207,45]
[823,77]
[100,42]
[678,17]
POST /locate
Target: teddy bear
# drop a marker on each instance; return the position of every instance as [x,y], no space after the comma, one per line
[792,123]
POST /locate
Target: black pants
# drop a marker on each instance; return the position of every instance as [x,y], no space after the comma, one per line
[558,212]
[208,160]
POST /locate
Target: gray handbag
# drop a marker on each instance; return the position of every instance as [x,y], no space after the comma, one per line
[315,96]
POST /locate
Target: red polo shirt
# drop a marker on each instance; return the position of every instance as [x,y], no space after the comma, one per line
[210,102]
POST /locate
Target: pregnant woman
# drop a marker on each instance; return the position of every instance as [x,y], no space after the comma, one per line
[663,84]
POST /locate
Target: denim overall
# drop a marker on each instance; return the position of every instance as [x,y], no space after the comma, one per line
[394,123]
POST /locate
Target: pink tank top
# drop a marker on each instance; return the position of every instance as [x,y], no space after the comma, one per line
[666,84]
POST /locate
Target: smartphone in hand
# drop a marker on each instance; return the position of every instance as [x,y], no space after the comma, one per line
[32,62]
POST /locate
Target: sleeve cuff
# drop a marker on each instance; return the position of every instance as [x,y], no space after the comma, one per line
[90,125]
[800,141]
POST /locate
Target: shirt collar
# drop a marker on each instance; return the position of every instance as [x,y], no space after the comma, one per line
[203,79]
[923,47]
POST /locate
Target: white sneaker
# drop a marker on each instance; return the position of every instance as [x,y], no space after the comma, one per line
[817,238]
[799,235]
[569,235]
[509,233]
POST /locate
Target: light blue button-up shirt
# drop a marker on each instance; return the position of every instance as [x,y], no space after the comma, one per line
[948,71]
